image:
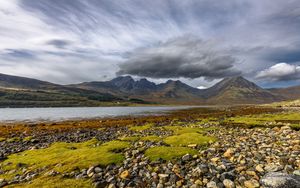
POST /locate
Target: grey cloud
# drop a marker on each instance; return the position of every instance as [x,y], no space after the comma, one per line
[17,53]
[186,57]
[59,43]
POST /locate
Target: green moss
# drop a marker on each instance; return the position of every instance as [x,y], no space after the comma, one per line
[55,182]
[181,130]
[130,138]
[262,119]
[14,139]
[151,138]
[2,139]
[295,126]
[141,128]
[188,138]
[168,153]
[65,157]
[28,138]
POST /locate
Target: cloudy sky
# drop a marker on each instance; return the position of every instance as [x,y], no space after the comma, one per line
[196,41]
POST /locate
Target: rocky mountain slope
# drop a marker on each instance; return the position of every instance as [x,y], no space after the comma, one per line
[233,90]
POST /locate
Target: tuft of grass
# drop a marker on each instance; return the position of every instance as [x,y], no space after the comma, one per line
[188,138]
[130,138]
[55,182]
[14,139]
[262,119]
[28,138]
[151,138]
[141,128]
[181,130]
[295,126]
[168,153]
[65,157]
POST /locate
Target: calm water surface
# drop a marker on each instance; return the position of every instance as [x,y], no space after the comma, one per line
[58,114]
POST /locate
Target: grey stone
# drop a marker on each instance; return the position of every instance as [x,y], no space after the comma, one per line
[280,180]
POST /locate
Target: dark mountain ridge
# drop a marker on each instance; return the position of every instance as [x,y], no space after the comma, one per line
[232,90]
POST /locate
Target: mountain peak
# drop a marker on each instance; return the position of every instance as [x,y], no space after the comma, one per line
[239,82]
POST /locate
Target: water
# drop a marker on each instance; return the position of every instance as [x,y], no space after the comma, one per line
[59,114]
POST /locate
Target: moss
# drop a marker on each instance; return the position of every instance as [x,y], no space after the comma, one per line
[262,119]
[130,138]
[55,182]
[181,130]
[141,128]
[65,157]
[14,139]
[2,139]
[28,138]
[151,138]
[168,153]
[188,138]
[295,126]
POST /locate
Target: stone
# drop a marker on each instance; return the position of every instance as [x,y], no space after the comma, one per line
[187,157]
[259,168]
[111,186]
[215,159]
[229,153]
[296,172]
[97,170]
[228,183]
[211,184]
[125,174]
[192,145]
[160,185]
[198,182]
[272,168]
[3,182]
[163,175]
[251,184]
[90,171]
[280,180]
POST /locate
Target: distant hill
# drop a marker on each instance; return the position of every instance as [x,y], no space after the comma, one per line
[20,91]
[288,93]
[238,90]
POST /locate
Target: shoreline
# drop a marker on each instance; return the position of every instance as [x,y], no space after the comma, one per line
[172,149]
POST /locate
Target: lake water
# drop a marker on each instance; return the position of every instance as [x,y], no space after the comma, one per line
[58,114]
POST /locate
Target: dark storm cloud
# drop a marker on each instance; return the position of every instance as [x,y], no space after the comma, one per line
[186,57]
[58,43]
[288,53]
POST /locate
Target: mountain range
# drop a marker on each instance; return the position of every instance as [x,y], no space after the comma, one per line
[20,91]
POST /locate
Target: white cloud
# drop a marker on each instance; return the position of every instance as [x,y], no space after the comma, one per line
[279,72]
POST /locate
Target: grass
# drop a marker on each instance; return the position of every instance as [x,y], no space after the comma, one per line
[187,139]
[28,139]
[181,130]
[151,138]
[168,153]
[141,128]
[2,139]
[55,182]
[262,119]
[65,157]
[14,139]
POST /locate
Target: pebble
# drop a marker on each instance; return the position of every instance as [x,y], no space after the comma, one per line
[228,183]
[251,184]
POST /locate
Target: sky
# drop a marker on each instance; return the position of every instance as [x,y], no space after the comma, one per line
[196,41]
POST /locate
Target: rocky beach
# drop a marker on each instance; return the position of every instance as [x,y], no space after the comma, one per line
[201,149]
